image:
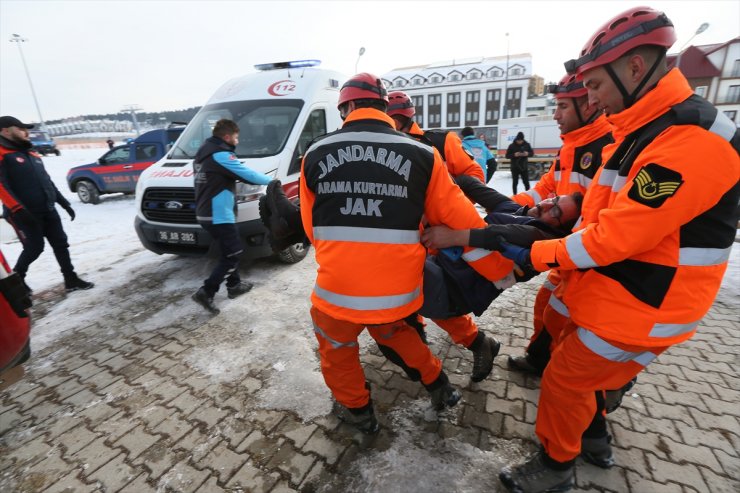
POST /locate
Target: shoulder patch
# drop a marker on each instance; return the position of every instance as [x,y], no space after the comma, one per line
[654,184]
[586,160]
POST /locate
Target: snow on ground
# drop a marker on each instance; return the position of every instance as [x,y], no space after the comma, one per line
[105,249]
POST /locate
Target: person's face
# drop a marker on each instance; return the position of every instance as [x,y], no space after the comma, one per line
[16,134]
[602,92]
[566,115]
[555,211]
[232,139]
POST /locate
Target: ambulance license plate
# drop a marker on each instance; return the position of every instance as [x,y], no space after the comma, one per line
[179,237]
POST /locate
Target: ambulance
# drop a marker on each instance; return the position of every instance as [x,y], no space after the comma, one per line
[280,109]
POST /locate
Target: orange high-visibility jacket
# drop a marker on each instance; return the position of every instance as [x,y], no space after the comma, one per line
[575,166]
[363,190]
[658,222]
[458,160]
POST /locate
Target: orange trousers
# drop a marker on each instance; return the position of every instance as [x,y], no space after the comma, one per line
[340,355]
[541,302]
[582,364]
[556,315]
[462,329]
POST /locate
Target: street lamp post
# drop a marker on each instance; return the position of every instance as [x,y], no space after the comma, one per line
[699,30]
[362,52]
[506,76]
[18,39]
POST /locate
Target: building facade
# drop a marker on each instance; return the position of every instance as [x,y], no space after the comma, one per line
[470,93]
[714,73]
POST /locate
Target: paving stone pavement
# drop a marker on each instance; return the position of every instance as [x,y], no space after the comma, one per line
[122,410]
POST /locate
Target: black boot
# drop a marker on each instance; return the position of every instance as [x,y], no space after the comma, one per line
[73,283]
[442,393]
[203,299]
[523,364]
[362,418]
[484,350]
[238,289]
[537,475]
[598,451]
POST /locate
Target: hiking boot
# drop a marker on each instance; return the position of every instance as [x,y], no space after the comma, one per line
[363,418]
[238,289]
[202,298]
[484,349]
[443,393]
[521,363]
[535,476]
[74,283]
[598,451]
[613,398]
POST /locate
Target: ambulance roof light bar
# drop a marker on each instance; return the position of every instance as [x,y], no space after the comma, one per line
[291,64]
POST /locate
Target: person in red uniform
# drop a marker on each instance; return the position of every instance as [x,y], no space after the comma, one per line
[363,191]
[458,160]
[584,131]
[648,257]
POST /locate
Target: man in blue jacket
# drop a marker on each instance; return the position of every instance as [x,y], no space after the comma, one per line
[29,200]
[217,170]
[480,152]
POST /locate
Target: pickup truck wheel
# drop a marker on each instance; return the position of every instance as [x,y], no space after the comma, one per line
[88,192]
[294,253]
[57,152]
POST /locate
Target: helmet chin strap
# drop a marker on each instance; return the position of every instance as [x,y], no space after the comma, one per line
[627,98]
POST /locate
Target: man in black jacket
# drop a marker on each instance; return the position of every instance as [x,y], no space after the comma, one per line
[217,169]
[29,198]
[518,154]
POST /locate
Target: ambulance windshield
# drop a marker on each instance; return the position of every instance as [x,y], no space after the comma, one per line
[264,127]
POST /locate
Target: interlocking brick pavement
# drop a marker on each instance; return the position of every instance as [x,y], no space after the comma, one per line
[109,407]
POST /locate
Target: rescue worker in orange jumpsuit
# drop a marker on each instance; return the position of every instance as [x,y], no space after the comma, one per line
[462,329]
[584,131]
[459,161]
[658,224]
[363,190]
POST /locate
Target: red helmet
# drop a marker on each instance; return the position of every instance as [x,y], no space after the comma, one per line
[637,26]
[399,103]
[363,86]
[568,87]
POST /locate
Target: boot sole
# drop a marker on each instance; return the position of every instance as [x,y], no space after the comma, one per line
[494,352]
[513,487]
[602,463]
[530,370]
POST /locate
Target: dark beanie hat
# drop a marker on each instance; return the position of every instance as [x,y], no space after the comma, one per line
[467,131]
[520,136]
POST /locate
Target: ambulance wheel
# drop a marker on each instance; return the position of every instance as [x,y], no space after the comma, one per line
[88,192]
[294,253]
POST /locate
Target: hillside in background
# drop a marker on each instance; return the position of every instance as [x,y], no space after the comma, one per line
[144,117]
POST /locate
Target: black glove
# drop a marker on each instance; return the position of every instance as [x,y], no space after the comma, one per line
[24,217]
[14,291]
[70,211]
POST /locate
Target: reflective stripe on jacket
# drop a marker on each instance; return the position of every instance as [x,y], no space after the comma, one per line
[658,222]
[364,189]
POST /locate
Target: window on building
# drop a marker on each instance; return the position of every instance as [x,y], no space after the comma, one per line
[419,109]
[736,68]
[493,97]
[434,111]
[474,75]
[733,95]
[701,91]
[454,77]
[517,71]
[436,79]
[418,81]
[732,115]
[495,72]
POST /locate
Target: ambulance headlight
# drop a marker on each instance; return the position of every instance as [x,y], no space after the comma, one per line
[247,192]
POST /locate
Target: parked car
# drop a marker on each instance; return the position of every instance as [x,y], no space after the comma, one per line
[15,320]
[118,169]
[43,143]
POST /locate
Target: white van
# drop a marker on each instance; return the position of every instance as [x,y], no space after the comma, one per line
[279,110]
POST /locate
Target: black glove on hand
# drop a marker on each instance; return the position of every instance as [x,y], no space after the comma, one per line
[24,217]
[70,211]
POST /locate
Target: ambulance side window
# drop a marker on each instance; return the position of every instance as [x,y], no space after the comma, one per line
[315,127]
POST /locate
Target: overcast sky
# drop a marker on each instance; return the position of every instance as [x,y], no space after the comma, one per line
[98,56]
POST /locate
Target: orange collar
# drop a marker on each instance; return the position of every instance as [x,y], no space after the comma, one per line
[587,133]
[415,129]
[672,89]
[369,114]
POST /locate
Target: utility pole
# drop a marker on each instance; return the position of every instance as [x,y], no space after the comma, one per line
[506,77]
[18,39]
[132,109]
